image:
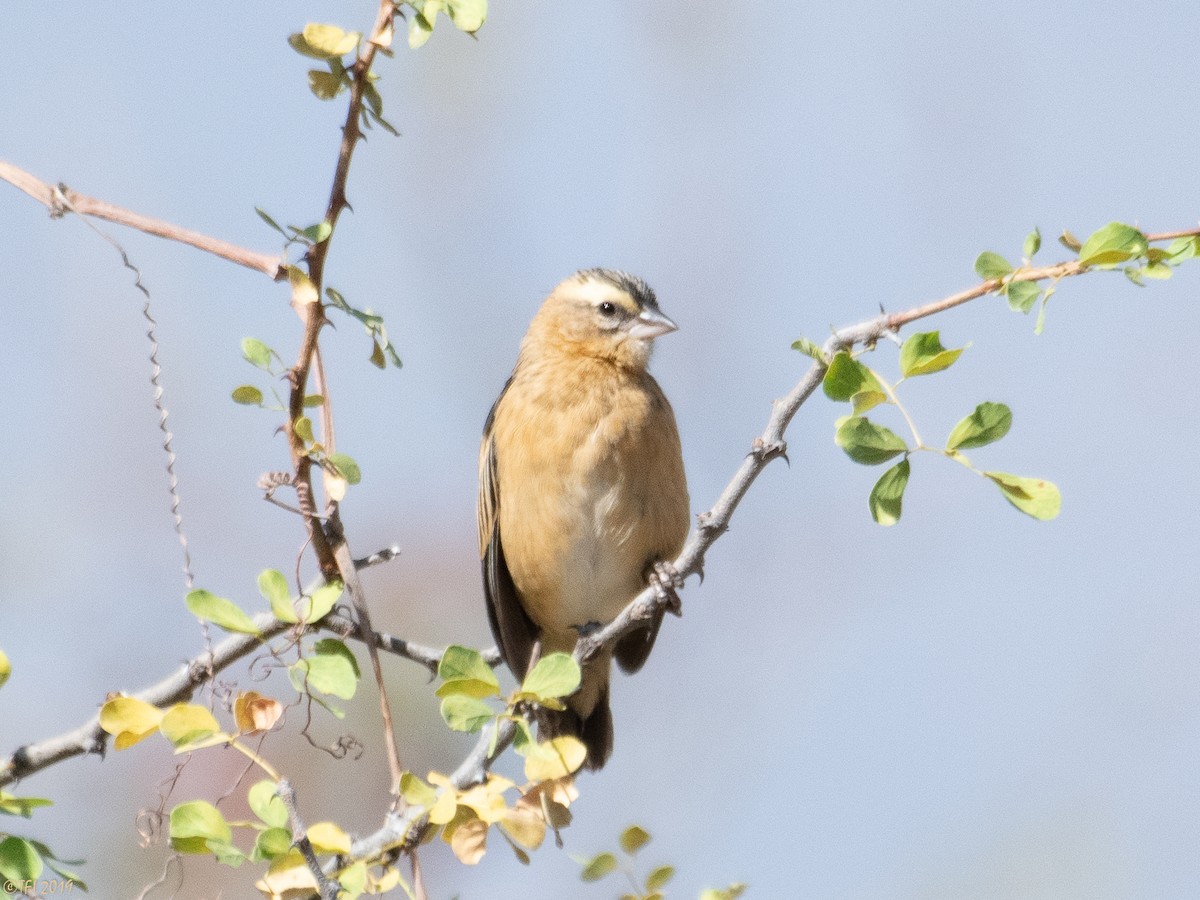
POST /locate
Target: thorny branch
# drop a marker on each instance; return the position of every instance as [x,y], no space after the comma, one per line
[182,684]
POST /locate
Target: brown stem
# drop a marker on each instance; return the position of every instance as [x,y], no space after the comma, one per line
[272,266]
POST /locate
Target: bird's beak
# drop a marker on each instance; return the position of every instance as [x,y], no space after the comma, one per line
[651,324]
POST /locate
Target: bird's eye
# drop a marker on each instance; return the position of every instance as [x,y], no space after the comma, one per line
[607,309]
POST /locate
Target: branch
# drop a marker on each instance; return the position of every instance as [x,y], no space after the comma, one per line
[272,266]
[180,686]
[329,889]
[771,445]
[405,829]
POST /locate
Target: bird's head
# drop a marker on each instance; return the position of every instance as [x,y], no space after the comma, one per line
[601,313]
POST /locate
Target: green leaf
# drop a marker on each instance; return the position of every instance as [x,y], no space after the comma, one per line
[809,349]
[989,265]
[416,791]
[1159,271]
[987,424]
[21,806]
[1184,248]
[1114,243]
[732,892]
[19,861]
[324,85]
[867,400]
[467,15]
[346,467]
[274,587]
[5,668]
[311,400]
[867,443]
[223,613]
[314,607]
[333,647]
[271,843]
[327,671]
[194,824]
[923,354]
[262,215]
[465,672]
[50,859]
[463,662]
[1033,243]
[303,428]
[888,494]
[598,866]
[419,30]
[554,676]
[1032,496]
[1021,295]
[257,353]
[264,802]
[634,838]
[464,713]
[1041,316]
[846,377]
[1134,274]
[658,878]
[318,233]
[247,395]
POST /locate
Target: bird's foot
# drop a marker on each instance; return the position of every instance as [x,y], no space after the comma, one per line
[666,581]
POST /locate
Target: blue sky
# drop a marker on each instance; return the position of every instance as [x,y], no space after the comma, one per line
[969,704]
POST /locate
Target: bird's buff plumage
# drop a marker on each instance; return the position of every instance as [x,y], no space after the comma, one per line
[581,488]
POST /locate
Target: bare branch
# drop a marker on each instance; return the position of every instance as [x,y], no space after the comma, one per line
[329,889]
[273,266]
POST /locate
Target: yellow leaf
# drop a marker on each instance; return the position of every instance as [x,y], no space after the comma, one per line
[328,837]
[186,723]
[555,758]
[489,806]
[443,808]
[254,712]
[288,878]
[330,40]
[469,841]
[335,485]
[524,823]
[5,668]
[304,292]
[385,882]
[554,797]
[130,720]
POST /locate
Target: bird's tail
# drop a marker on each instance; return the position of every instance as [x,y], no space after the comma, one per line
[595,730]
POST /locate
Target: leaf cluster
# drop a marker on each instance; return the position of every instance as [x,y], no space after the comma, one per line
[631,840]
[865,441]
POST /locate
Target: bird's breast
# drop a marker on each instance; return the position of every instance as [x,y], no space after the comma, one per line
[592,494]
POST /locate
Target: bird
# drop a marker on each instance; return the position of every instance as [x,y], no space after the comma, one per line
[583,499]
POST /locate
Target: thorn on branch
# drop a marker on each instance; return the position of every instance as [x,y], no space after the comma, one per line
[765,451]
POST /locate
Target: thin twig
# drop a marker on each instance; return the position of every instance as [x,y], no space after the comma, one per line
[272,266]
[328,888]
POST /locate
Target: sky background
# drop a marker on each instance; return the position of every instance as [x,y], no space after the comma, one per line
[969,704]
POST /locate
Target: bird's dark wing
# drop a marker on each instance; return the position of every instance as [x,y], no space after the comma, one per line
[513,630]
[632,650]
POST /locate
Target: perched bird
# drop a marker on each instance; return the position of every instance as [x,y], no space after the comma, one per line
[582,495]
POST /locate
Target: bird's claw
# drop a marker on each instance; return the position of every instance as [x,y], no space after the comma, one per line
[666,581]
